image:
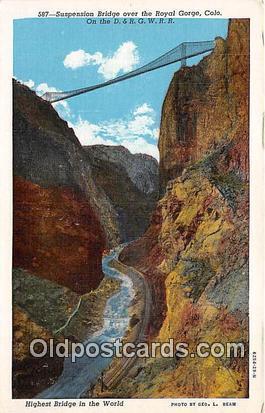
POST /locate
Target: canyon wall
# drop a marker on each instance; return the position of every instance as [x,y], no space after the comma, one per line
[205,107]
[58,236]
[58,231]
[195,252]
[131,183]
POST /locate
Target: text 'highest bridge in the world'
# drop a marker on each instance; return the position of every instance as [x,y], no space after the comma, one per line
[180,53]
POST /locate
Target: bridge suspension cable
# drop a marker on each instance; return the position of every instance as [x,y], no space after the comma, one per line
[180,53]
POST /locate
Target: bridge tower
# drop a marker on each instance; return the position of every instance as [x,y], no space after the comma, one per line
[183,61]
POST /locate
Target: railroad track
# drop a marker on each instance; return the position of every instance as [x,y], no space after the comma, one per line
[115,375]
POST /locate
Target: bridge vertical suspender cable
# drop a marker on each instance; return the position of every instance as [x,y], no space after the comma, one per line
[183,61]
[180,53]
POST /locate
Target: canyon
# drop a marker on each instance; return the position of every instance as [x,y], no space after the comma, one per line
[186,218]
[67,211]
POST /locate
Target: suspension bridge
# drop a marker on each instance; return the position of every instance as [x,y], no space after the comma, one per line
[180,54]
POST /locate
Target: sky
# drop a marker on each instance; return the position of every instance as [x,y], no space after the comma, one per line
[66,54]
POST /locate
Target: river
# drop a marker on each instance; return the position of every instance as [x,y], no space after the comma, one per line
[77,377]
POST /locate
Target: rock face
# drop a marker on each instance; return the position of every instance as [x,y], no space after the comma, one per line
[57,235]
[206,106]
[42,309]
[47,153]
[141,168]
[30,374]
[195,252]
[130,182]
[57,231]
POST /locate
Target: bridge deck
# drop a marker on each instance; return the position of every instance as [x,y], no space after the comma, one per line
[180,53]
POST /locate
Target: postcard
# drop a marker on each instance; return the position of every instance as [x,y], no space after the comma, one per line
[132,206]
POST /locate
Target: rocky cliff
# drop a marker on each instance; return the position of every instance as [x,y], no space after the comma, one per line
[141,168]
[58,234]
[205,107]
[195,252]
[47,153]
[130,182]
[43,309]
